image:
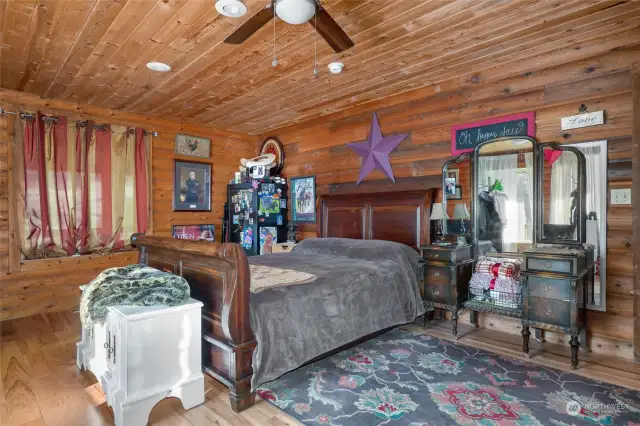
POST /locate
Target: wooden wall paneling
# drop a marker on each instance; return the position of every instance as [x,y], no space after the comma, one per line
[52,284]
[635,199]
[319,148]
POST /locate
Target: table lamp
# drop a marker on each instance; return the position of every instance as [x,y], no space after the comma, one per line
[438,213]
[460,212]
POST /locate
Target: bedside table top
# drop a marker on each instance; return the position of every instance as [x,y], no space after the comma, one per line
[448,247]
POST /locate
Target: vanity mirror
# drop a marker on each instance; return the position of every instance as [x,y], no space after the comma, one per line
[503,196]
[565,171]
[456,189]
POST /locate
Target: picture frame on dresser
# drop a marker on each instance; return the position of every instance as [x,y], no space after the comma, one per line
[191,186]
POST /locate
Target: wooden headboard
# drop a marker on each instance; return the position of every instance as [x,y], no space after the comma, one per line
[394,216]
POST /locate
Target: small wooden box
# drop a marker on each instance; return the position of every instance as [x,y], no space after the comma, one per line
[282,247]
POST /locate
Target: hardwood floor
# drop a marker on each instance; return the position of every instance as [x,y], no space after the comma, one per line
[41,385]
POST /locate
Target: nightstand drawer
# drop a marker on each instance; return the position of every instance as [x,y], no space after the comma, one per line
[437,274]
[558,266]
[438,293]
[549,288]
[449,254]
[550,311]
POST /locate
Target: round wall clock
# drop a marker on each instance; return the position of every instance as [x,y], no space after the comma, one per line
[273,146]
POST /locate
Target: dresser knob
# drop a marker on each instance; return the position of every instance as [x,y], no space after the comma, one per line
[547,287]
[548,311]
[436,255]
[437,274]
[436,293]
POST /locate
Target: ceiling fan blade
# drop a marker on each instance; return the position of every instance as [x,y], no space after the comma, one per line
[330,30]
[247,29]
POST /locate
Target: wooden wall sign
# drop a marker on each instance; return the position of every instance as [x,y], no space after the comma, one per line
[582,120]
[193,146]
[465,137]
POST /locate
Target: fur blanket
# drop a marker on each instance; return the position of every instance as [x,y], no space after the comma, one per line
[134,285]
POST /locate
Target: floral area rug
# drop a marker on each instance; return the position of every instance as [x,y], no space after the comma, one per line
[408,378]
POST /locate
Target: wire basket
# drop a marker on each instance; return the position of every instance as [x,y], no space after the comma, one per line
[493,300]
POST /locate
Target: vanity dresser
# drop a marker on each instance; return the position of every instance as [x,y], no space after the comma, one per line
[558,273]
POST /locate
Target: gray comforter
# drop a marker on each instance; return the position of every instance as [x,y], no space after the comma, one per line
[361,287]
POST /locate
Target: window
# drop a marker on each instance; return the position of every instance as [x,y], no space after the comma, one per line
[82,188]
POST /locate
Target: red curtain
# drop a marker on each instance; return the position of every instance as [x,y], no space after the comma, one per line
[83,188]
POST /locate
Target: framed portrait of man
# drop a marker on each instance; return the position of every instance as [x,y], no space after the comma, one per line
[191,186]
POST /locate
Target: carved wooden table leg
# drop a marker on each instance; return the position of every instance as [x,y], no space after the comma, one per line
[473,317]
[575,345]
[454,319]
[525,339]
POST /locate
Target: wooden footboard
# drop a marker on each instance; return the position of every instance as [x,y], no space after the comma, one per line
[218,275]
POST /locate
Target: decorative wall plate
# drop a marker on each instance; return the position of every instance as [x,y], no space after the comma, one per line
[271,145]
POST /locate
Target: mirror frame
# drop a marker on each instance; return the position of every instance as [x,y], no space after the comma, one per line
[582,196]
[456,160]
[475,192]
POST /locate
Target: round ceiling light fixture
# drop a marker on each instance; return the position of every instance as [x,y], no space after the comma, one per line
[295,12]
[231,8]
[336,67]
[158,66]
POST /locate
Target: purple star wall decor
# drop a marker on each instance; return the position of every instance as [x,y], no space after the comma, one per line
[376,149]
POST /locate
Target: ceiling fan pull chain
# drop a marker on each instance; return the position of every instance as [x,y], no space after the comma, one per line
[315,45]
[274,63]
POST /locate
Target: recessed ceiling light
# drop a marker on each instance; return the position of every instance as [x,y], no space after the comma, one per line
[158,66]
[231,8]
[336,67]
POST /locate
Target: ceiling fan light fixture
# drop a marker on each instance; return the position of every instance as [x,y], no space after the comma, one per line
[295,12]
[231,8]
[158,66]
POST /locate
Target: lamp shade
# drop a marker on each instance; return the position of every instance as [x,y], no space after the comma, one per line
[460,212]
[437,212]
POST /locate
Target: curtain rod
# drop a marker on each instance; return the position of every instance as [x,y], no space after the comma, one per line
[82,123]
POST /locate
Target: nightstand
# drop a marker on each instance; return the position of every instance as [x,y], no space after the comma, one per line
[282,247]
[447,271]
[555,282]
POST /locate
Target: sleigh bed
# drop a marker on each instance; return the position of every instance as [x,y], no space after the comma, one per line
[218,275]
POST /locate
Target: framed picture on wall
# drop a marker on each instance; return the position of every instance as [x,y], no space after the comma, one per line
[191,186]
[303,199]
[456,193]
[193,146]
[194,232]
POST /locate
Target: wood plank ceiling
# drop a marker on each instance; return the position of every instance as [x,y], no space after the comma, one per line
[95,51]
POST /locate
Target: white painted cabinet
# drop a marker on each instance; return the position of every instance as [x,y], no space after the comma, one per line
[144,354]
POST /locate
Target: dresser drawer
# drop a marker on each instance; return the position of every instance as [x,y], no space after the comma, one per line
[558,266]
[437,274]
[449,254]
[549,288]
[437,293]
[549,311]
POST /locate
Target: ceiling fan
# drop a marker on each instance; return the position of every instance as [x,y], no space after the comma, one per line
[295,12]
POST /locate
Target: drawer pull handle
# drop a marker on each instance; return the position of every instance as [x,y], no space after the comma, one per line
[547,287]
[548,311]
[436,293]
[437,274]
